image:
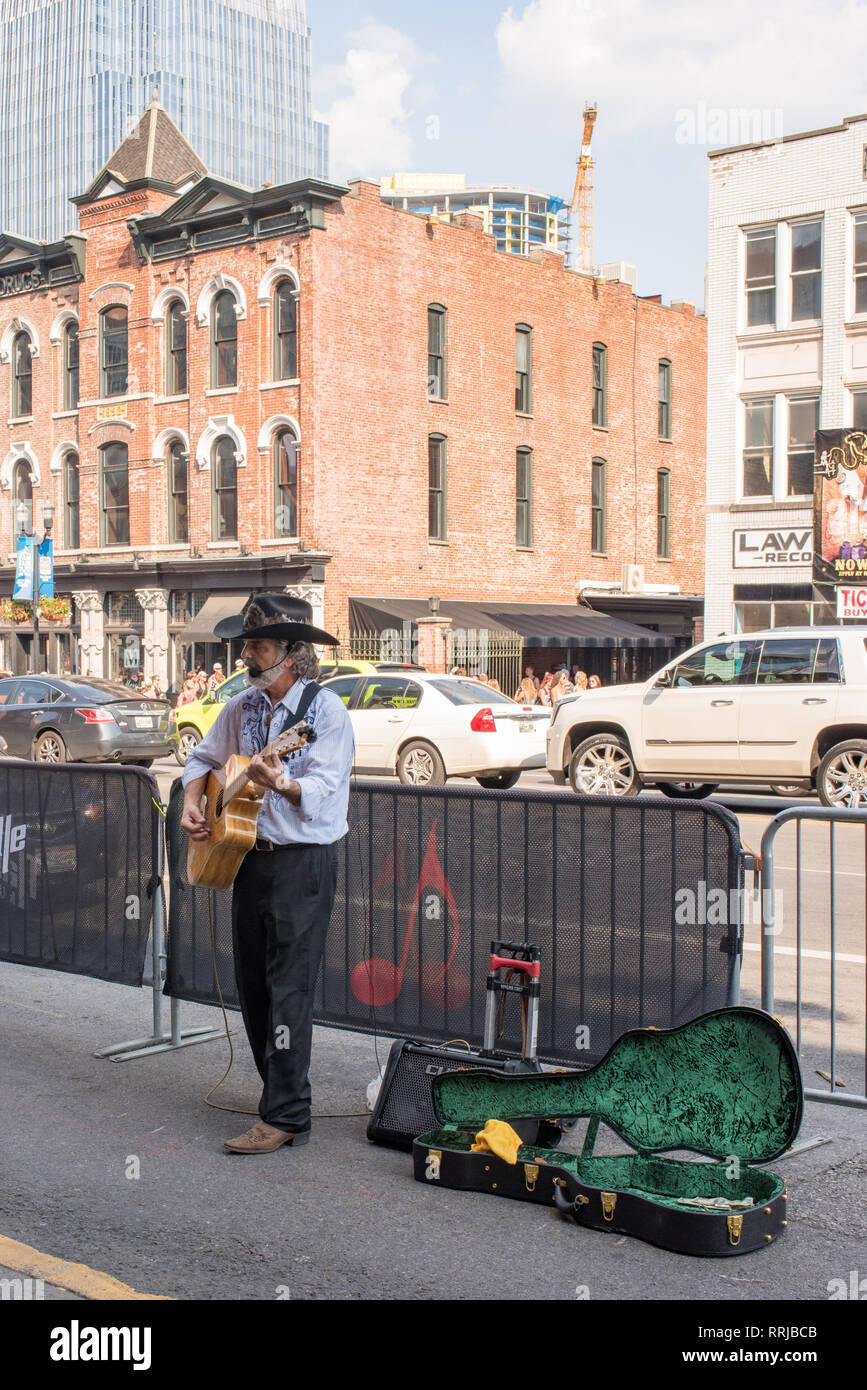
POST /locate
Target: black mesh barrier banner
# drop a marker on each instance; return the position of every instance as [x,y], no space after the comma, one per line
[635,905]
[78,856]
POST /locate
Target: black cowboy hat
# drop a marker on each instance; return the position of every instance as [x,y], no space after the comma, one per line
[278,617]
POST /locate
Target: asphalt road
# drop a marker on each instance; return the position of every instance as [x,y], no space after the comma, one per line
[119,1167]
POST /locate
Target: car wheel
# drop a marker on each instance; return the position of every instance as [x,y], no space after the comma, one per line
[789,789]
[188,739]
[602,766]
[500,781]
[420,765]
[49,748]
[692,791]
[842,777]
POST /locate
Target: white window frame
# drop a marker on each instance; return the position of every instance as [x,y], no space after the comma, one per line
[856,214]
[746,326]
[780,445]
[801,222]
[799,396]
[856,391]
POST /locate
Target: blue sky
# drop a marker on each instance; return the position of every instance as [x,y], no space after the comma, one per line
[501,90]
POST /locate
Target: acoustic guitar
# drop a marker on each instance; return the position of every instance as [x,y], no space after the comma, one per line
[231,806]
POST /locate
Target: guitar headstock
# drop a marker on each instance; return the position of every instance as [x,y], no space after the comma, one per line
[294,737]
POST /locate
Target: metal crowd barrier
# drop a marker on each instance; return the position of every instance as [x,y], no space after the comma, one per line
[635,905]
[81,881]
[784,939]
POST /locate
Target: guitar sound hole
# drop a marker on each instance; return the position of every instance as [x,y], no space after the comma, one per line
[218,805]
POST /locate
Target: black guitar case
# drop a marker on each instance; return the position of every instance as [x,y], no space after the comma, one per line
[726,1086]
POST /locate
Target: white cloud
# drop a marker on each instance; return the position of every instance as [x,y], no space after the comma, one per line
[369,122]
[642,61]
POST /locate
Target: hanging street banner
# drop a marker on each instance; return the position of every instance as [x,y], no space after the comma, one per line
[840,507]
[46,568]
[24,570]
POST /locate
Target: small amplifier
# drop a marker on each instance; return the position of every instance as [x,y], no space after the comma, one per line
[404,1105]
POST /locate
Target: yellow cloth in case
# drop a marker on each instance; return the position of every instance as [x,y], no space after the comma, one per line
[498,1138]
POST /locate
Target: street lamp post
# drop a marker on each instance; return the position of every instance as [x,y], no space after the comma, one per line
[36,541]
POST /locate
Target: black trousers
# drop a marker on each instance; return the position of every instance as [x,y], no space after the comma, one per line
[281,906]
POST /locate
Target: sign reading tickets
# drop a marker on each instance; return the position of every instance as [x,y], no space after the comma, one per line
[852,602]
[840,507]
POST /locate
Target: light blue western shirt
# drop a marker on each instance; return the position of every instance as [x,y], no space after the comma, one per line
[321,768]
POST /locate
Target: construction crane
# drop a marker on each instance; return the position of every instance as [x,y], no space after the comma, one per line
[582,198]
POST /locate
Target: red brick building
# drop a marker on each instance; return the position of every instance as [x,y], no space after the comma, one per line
[220,390]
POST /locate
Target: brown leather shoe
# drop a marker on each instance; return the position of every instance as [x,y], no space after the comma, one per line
[264,1139]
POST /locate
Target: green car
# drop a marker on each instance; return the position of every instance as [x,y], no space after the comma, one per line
[188,724]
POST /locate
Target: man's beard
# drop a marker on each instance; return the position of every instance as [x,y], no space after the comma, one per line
[263,677]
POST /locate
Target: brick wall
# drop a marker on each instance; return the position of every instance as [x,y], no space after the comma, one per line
[363,412]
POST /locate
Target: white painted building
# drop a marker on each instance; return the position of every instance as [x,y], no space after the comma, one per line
[787,354]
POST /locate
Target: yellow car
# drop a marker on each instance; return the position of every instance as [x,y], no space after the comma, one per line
[189,723]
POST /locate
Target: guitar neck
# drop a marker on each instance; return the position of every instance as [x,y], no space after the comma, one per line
[279,745]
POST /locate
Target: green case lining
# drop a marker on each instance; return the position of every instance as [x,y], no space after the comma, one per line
[726,1084]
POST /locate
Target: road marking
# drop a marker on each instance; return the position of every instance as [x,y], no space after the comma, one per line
[813,955]
[32,1008]
[838,873]
[76,1278]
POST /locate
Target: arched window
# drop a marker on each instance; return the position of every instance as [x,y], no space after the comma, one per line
[600,385]
[71,526]
[285,333]
[114,351]
[22,495]
[224,472]
[22,375]
[437,487]
[436,352]
[224,340]
[178,496]
[664,412]
[663,514]
[524,498]
[523,368]
[114,494]
[176,349]
[70,366]
[598,526]
[285,484]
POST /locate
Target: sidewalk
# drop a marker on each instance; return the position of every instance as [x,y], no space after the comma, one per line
[119,1166]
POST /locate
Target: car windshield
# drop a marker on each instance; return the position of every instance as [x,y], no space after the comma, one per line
[470,693]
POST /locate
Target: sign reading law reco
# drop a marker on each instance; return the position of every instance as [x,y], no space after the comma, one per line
[763,549]
[22,282]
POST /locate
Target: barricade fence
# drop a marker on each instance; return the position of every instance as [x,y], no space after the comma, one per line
[615,893]
[814,944]
[78,867]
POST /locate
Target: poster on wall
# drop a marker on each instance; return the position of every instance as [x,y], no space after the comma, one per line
[840,507]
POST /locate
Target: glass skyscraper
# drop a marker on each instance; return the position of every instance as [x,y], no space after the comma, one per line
[76,74]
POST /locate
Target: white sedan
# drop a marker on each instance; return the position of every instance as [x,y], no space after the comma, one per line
[427,727]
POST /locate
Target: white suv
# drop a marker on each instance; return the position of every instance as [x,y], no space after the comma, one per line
[785,706]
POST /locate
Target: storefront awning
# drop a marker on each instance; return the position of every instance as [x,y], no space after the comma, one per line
[214,609]
[539,624]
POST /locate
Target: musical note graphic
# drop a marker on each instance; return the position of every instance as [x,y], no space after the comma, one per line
[379,981]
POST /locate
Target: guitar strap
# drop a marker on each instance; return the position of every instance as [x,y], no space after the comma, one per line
[307,698]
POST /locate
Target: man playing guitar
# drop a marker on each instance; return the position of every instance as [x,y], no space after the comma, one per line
[284,891]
